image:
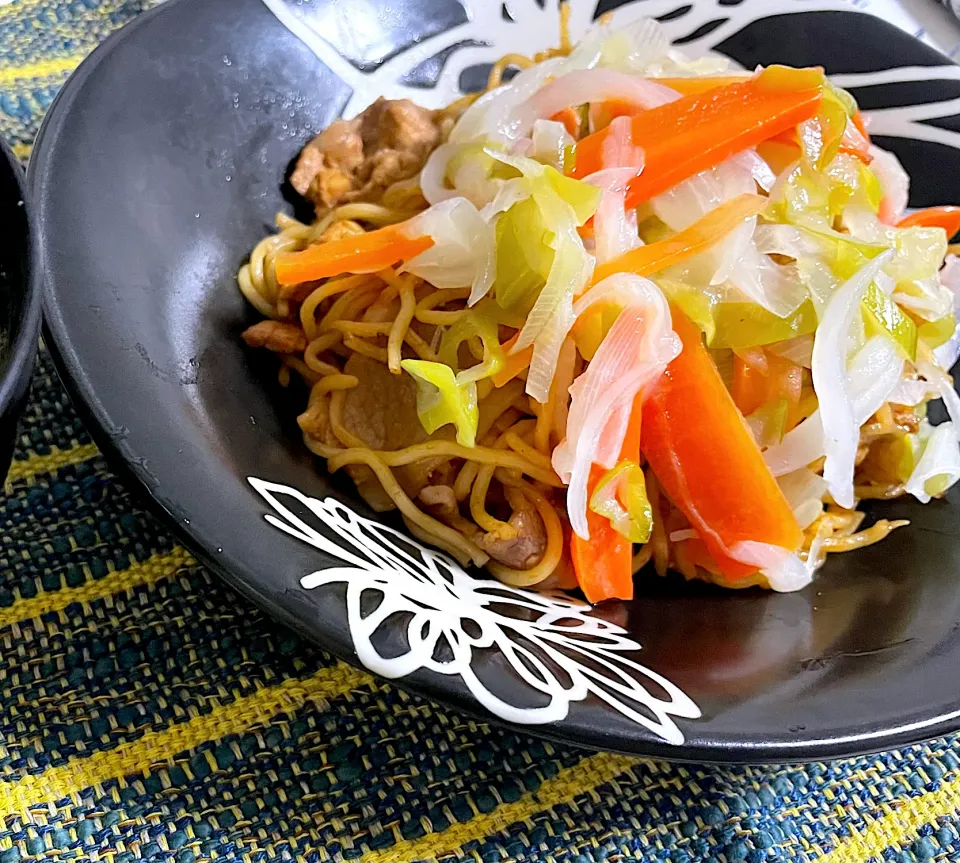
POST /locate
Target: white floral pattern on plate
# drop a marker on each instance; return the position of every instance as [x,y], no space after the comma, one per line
[558,649]
[530,27]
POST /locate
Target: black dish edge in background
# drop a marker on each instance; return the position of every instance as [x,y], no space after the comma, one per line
[26,294]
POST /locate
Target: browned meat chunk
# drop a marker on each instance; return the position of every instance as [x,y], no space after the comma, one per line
[525,548]
[382,408]
[382,411]
[520,545]
[356,160]
[278,336]
[341,230]
[326,165]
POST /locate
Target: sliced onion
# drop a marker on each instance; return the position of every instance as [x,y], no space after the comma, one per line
[619,151]
[590,85]
[493,116]
[783,570]
[831,382]
[886,283]
[895,184]
[804,491]
[631,357]
[798,350]
[433,177]
[940,458]
[752,161]
[909,392]
[548,141]
[874,372]
[941,381]
[615,229]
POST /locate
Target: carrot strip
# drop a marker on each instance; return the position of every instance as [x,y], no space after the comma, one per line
[696,85]
[571,121]
[513,363]
[753,387]
[701,130]
[706,459]
[604,563]
[947,218]
[362,253]
[702,234]
[861,126]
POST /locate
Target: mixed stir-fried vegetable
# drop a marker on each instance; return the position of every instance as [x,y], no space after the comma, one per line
[726,324]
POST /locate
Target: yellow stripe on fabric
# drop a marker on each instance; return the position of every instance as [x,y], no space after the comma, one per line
[897,826]
[22,151]
[158,748]
[582,778]
[40,69]
[153,569]
[51,461]
[18,6]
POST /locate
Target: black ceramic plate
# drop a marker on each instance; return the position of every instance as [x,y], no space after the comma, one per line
[20,295]
[161,164]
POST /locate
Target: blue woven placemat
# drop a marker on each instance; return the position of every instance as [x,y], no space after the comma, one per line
[147,712]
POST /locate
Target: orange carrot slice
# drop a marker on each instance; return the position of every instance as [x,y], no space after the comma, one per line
[363,253]
[707,461]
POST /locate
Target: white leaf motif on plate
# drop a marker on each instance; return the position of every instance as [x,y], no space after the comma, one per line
[558,649]
[486,35]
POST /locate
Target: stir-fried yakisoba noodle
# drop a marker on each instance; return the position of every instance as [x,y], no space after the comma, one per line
[621,308]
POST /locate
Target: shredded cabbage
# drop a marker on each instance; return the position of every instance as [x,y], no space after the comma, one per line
[442,400]
[949,351]
[823,276]
[621,497]
[564,205]
[463,251]
[732,323]
[480,322]
[831,381]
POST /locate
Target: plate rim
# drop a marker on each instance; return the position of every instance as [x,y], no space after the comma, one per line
[26,329]
[133,473]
